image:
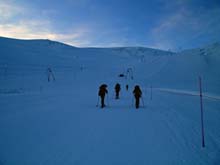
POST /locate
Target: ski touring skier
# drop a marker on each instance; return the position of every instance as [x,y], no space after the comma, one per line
[137,94]
[102,92]
[126,87]
[117,90]
[50,74]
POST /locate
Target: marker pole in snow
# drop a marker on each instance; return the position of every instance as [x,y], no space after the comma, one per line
[201,105]
[151,92]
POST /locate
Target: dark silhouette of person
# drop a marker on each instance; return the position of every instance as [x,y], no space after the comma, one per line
[102,92]
[117,90]
[50,74]
[137,94]
[126,87]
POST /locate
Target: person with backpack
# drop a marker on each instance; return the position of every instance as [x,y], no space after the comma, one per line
[126,87]
[117,90]
[137,94]
[102,92]
[50,74]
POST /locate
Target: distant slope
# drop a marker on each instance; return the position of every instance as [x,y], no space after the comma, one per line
[150,66]
[38,52]
[182,70]
[14,51]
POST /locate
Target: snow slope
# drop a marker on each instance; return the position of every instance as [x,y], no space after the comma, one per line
[58,122]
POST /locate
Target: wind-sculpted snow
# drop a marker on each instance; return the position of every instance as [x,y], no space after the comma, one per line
[57,122]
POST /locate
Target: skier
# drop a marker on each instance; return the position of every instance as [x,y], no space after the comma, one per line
[126,87]
[50,74]
[117,90]
[137,94]
[102,92]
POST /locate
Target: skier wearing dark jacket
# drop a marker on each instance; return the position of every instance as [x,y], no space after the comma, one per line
[117,90]
[102,92]
[127,87]
[137,94]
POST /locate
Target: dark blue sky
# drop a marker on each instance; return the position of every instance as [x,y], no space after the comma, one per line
[164,24]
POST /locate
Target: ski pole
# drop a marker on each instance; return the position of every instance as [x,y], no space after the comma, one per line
[53,77]
[142,101]
[151,93]
[107,101]
[97,102]
[113,94]
[132,102]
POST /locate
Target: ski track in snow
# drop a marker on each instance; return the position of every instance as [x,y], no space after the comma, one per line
[190,93]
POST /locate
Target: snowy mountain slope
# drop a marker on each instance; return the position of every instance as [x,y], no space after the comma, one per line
[183,69]
[28,57]
[58,122]
[35,52]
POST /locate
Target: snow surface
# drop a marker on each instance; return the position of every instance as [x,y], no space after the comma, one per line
[53,123]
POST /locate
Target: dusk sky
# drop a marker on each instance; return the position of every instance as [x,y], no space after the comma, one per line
[163,24]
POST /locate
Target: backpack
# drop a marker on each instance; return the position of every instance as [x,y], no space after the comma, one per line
[137,91]
[102,91]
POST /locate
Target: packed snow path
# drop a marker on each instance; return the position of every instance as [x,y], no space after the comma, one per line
[65,127]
